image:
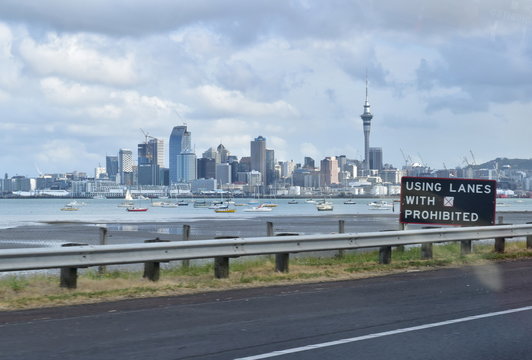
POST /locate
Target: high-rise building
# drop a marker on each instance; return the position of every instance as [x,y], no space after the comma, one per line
[186,167]
[329,171]
[223,153]
[210,153]
[375,158]
[342,161]
[206,168]
[309,163]
[150,157]
[270,167]
[366,120]
[111,167]
[179,142]
[159,151]
[258,156]
[125,166]
[223,174]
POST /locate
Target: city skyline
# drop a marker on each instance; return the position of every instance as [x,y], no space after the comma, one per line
[78,82]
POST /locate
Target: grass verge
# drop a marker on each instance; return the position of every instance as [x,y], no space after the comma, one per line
[22,292]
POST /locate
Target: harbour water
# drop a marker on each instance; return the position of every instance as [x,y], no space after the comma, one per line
[18,212]
[41,220]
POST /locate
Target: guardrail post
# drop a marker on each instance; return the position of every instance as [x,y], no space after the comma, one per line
[500,244]
[221,263]
[500,241]
[283,259]
[465,247]
[341,230]
[152,269]
[426,248]
[69,278]
[103,241]
[221,267]
[401,248]
[529,239]
[269,228]
[69,275]
[385,255]
[185,236]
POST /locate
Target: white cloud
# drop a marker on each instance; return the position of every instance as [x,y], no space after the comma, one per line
[78,57]
[222,102]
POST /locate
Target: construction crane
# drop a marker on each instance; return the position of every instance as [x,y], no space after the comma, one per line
[473,157]
[149,154]
[408,160]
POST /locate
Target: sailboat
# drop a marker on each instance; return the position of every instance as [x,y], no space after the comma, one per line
[128,200]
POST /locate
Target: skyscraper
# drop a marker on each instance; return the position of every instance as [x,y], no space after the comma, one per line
[125,166]
[270,167]
[258,156]
[179,143]
[329,171]
[111,166]
[186,166]
[375,158]
[366,119]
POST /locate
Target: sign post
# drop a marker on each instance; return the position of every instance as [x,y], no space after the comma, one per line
[447,201]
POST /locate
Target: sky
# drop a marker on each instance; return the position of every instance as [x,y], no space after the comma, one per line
[449,82]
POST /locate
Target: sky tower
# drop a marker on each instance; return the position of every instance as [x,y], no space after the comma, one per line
[366,119]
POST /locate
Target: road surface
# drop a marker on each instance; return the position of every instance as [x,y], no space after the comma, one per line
[480,312]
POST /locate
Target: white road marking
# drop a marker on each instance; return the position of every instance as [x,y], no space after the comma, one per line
[381,334]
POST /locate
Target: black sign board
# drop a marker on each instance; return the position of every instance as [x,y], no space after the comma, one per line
[469,202]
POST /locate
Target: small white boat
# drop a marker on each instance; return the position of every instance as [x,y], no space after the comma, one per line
[293,201]
[380,205]
[260,208]
[68,207]
[350,202]
[324,206]
[168,205]
[200,204]
[128,200]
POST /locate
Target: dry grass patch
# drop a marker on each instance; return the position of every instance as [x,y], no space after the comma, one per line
[17,292]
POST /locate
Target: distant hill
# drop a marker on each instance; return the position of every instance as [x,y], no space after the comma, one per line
[521,164]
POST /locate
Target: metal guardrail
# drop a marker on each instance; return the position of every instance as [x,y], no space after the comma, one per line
[85,256]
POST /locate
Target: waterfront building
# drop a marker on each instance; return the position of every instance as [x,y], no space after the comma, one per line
[179,142]
[258,156]
[150,157]
[375,158]
[210,153]
[206,168]
[125,166]
[223,174]
[342,162]
[366,121]
[199,186]
[100,173]
[309,163]
[111,167]
[223,153]
[185,167]
[329,171]
[271,174]
[244,165]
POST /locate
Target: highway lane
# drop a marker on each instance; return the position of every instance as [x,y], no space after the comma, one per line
[247,323]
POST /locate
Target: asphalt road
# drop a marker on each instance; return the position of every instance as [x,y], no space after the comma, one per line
[470,313]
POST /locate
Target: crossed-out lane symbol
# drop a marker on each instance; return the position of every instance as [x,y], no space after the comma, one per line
[448,201]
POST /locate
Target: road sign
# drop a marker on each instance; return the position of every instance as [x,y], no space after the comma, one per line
[469,202]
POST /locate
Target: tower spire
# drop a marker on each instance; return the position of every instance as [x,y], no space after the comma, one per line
[366,120]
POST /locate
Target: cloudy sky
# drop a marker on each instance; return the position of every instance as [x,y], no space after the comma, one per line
[79,79]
